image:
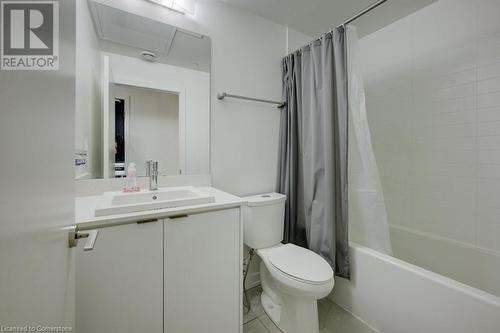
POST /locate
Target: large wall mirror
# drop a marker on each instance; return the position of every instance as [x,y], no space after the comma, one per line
[143,93]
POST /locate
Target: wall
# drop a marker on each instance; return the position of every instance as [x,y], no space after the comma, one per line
[37,120]
[295,40]
[433,98]
[247,51]
[194,87]
[88,94]
[152,121]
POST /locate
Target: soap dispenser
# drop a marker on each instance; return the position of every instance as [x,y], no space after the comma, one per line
[131,184]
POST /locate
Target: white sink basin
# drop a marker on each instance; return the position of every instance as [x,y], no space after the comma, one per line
[168,197]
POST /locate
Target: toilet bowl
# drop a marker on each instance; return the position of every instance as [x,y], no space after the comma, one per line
[292,278]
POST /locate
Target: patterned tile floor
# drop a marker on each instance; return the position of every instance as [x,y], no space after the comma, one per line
[332,318]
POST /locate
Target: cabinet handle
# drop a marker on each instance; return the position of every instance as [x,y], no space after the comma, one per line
[75,235]
[147,221]
[89,244]
[177,216]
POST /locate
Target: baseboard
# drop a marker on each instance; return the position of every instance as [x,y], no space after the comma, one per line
[253,280]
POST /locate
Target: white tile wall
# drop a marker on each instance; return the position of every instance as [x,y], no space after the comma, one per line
[433,96]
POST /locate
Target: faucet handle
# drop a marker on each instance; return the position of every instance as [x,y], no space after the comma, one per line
[148,167]
[151,167]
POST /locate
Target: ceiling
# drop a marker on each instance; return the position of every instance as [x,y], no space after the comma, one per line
[313,17]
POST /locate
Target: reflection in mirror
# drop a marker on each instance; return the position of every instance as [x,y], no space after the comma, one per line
[142,117]
[143,93]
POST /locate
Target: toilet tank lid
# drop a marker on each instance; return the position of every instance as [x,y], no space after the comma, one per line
[265,199]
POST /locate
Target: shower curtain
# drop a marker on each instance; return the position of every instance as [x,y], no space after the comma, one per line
[367,213]
[313,149]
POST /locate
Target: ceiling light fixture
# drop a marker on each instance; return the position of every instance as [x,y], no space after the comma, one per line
[181,6]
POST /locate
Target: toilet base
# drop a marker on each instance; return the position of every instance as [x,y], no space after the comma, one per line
[293,315]
[272,310]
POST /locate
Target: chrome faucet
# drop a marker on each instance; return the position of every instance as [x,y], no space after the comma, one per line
[152,173]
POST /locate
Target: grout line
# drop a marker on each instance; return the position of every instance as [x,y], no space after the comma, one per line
[248,322]
[265,327]
[270,320]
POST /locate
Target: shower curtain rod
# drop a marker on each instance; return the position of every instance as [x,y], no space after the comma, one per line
[222,95]
[353,18]
[363,12]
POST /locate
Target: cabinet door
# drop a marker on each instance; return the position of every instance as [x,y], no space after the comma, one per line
[119,284]
[202,273]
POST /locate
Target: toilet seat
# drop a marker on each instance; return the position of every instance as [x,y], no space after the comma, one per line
[295,276]
[300,263]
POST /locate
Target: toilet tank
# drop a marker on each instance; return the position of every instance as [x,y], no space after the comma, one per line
[263,220]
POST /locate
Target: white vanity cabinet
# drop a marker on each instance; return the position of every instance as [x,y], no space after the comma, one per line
[180,274]
[202,273]
[119,283]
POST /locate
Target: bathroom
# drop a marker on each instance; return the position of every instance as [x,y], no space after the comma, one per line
[146,175]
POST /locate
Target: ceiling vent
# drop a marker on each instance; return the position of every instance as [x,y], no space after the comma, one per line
[133,30]
[148,56]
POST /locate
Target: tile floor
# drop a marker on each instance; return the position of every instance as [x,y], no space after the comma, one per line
[332,318]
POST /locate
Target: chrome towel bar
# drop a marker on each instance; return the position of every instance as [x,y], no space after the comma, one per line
[223,95]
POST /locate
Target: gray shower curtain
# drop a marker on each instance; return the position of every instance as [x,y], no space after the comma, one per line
[313,149]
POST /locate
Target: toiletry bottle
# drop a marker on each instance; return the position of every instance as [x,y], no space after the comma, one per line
[131,185]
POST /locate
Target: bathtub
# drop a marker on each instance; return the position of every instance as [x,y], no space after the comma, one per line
[394,296]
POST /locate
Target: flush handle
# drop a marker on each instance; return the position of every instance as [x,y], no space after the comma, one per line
[91,236]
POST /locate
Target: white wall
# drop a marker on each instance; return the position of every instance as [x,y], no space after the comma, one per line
[88,94]
[37,118]
[295,40]
[433,97]
[194,99]
[152,120]
[247,51]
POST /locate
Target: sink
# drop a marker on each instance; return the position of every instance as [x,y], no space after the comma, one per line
[168,197]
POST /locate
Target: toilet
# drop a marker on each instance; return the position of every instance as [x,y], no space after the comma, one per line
[292,278]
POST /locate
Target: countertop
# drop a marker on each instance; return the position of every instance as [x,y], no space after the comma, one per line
[85,209]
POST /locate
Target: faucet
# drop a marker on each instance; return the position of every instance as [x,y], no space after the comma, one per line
[152,173]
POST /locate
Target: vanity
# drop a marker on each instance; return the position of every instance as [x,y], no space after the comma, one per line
[175,269]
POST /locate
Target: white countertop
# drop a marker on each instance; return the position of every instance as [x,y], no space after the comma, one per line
[85,209]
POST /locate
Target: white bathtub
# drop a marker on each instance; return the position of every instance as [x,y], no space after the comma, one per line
[394,296]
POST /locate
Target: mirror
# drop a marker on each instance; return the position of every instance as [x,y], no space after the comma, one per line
[143,93]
